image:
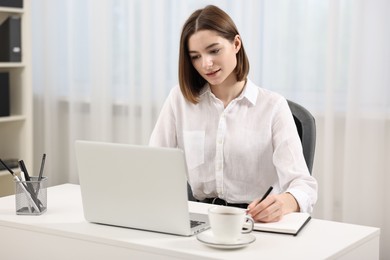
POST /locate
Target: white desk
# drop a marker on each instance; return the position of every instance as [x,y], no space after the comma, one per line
[62,233]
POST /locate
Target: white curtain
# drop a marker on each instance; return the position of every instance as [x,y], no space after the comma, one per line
[103,68]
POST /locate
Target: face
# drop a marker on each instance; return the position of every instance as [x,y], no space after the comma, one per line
[213,56]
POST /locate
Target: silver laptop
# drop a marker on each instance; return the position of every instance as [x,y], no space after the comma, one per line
[137,187]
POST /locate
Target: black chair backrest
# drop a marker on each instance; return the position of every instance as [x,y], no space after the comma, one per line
[306,127]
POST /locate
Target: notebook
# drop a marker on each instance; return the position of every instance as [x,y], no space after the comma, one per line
[291,223]
[138,187]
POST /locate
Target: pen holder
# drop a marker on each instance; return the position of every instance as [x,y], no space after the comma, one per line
[31,196]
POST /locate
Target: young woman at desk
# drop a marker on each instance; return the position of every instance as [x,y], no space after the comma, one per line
[239,139]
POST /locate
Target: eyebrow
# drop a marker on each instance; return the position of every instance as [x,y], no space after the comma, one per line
[208,47]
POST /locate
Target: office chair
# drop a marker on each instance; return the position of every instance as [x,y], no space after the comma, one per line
[306,127]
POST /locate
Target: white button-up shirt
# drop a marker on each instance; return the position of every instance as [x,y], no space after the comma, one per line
[236,153]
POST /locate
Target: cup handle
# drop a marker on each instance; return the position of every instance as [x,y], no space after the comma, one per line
[249,225]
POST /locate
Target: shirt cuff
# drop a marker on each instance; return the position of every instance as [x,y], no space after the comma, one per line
[303,200]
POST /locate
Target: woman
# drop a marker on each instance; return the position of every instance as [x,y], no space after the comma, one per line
[239,139]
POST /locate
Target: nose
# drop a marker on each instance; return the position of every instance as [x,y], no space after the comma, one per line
[207,62]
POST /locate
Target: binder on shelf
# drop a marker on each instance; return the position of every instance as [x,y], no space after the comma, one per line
[10,44]
[11,3]
[4,94]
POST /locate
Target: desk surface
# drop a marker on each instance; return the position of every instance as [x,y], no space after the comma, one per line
[64,220]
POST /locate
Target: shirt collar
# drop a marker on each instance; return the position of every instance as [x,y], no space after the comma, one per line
[250,92]
[205,89]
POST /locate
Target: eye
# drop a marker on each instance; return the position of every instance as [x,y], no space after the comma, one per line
[215,51]
[195,57]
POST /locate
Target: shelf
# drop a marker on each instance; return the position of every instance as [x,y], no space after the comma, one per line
[11,10]
[16,134]
[4,172]
[12,118]
[8,65]
[5,12]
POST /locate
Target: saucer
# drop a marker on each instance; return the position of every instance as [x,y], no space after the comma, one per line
[207,238]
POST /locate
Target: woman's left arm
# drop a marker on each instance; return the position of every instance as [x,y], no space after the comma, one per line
[298,188]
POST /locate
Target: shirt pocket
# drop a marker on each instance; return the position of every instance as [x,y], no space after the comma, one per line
[194,148]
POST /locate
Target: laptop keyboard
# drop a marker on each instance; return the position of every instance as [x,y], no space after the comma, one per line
[195,223]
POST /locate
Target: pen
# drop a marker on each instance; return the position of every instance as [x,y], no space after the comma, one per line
[6,166]
[266,194]
[24,170]
[42,166]
[41,173]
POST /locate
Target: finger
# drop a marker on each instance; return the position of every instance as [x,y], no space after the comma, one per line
[270,214]
[274,217]
[252,205]
[264,205]
[267,207]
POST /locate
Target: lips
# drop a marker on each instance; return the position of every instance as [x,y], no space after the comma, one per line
[212,73]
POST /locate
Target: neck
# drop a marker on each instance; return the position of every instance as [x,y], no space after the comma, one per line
[226,92]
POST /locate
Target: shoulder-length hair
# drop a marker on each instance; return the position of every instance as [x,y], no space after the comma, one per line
[214,19]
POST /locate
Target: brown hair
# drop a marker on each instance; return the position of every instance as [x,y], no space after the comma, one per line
[208,18]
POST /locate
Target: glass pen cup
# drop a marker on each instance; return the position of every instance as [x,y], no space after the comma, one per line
[31,196]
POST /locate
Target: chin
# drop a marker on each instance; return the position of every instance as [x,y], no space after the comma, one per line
[215,82]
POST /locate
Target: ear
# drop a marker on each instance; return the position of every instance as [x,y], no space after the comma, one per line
[237,43]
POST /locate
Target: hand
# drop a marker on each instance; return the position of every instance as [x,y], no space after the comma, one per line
[272,208]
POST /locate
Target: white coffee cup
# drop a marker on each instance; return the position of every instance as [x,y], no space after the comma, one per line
[227,223]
